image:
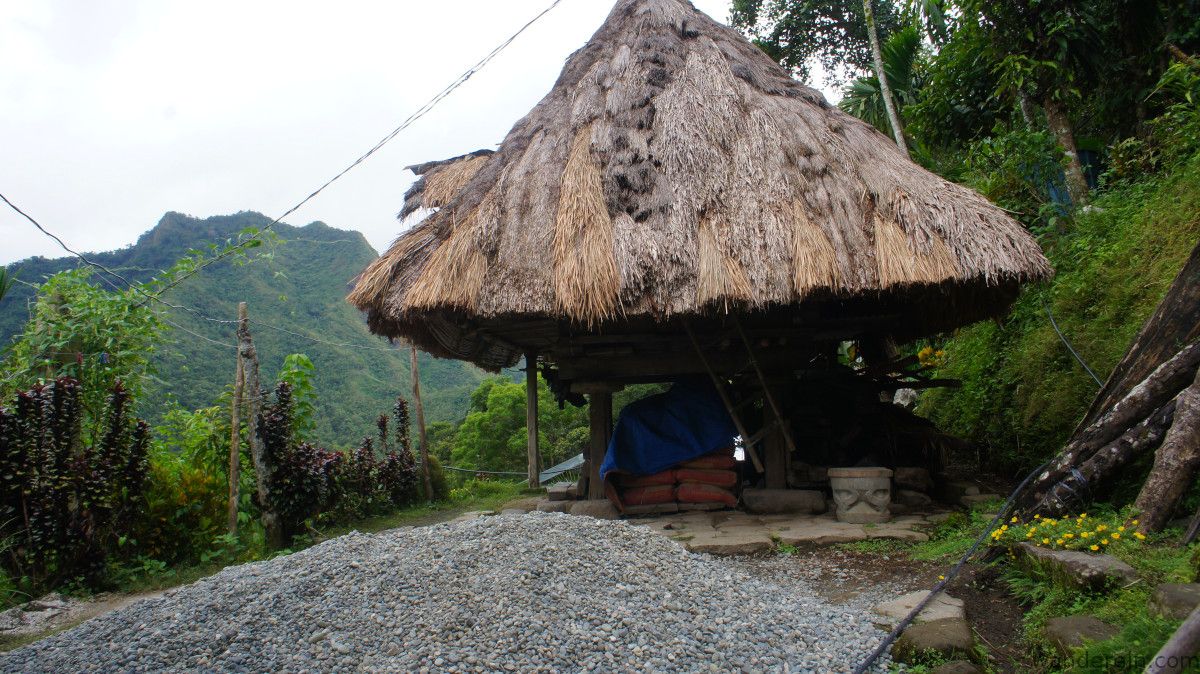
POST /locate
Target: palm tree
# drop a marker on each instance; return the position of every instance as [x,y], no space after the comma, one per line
[885,89]
[865,99]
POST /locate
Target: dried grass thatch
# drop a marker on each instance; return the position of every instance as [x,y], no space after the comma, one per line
[675,169]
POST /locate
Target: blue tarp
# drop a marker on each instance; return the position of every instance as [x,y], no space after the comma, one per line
[660,431]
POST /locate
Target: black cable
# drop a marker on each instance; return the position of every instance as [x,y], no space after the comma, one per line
[1070,348]
[421,112]
[937,589]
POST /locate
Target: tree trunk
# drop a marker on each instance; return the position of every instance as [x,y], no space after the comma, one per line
[1175,463]
[1064,133]
[235,432]
[416,389]
[885,87]
[1176,321]
[1163,384]
[258,451]
[1075,489]
[1028,112]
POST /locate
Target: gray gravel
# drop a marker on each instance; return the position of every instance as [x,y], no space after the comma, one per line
[539,592]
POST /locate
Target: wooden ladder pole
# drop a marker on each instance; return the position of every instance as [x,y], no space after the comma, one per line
[729,407]
[762,380]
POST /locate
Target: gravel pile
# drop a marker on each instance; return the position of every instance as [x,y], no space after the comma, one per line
[539,592]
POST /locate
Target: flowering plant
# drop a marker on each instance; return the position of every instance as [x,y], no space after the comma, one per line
[1079,532]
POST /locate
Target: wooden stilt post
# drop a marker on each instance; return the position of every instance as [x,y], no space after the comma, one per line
[600,422]
[235,432]
[775,457]
[531,420]
[258,451]
[416,389]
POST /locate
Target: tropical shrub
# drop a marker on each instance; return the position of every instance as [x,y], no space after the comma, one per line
[68,505]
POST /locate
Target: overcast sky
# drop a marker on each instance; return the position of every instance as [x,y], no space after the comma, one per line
[113,112]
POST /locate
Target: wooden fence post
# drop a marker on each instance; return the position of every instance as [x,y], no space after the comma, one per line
[235,433]
[258,450]
[416,388]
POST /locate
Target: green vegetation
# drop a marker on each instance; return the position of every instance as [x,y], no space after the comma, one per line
[1156,559]
[1022,391]
[296,283]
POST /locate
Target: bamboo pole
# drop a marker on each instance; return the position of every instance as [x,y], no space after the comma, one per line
[416,389]
[235,432]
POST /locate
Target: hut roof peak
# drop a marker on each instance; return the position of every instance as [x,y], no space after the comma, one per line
[675,169]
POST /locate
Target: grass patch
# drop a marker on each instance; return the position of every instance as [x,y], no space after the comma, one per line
[1141,634]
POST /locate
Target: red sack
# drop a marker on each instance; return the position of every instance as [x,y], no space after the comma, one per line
[718,478]
[648,495]
[633,481]
[715,461]
[704,493]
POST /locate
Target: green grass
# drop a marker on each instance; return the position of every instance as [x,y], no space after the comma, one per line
[1022,393]
[948,540]
[1141,634]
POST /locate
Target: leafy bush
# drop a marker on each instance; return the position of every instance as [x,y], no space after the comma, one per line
[94,336]
[309,483]
[302,477]
[185,510]
[437,481]
[68,505]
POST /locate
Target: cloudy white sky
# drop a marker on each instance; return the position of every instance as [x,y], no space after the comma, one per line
[113,112]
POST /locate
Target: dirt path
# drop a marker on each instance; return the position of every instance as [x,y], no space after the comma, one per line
[54,613]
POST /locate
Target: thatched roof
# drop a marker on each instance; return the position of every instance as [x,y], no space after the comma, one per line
[675,169]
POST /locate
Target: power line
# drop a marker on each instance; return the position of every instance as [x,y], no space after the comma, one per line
[421,112]
[64,246]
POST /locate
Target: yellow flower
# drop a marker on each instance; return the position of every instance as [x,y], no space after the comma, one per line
[1004,528]
[941,578]
[1014,519]
[1037,517]
[1120,528]
[1085,534]
[1045,541]
[1083,516]
[1059,541]
[1104,542]
[1116,537]
[1134,522]
[1095,548]
[1140,536]
[1068,535]
[1102,528]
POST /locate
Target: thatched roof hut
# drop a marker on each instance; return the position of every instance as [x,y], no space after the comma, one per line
[676,172]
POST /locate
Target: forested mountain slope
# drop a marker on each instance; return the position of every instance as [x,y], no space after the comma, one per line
[297,286]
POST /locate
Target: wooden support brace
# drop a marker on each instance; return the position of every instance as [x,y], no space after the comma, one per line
[729,407]
[762,380]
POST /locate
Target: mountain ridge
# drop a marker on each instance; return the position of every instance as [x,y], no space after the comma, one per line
[297,288]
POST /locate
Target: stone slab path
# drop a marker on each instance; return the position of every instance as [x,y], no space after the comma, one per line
[740,533]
